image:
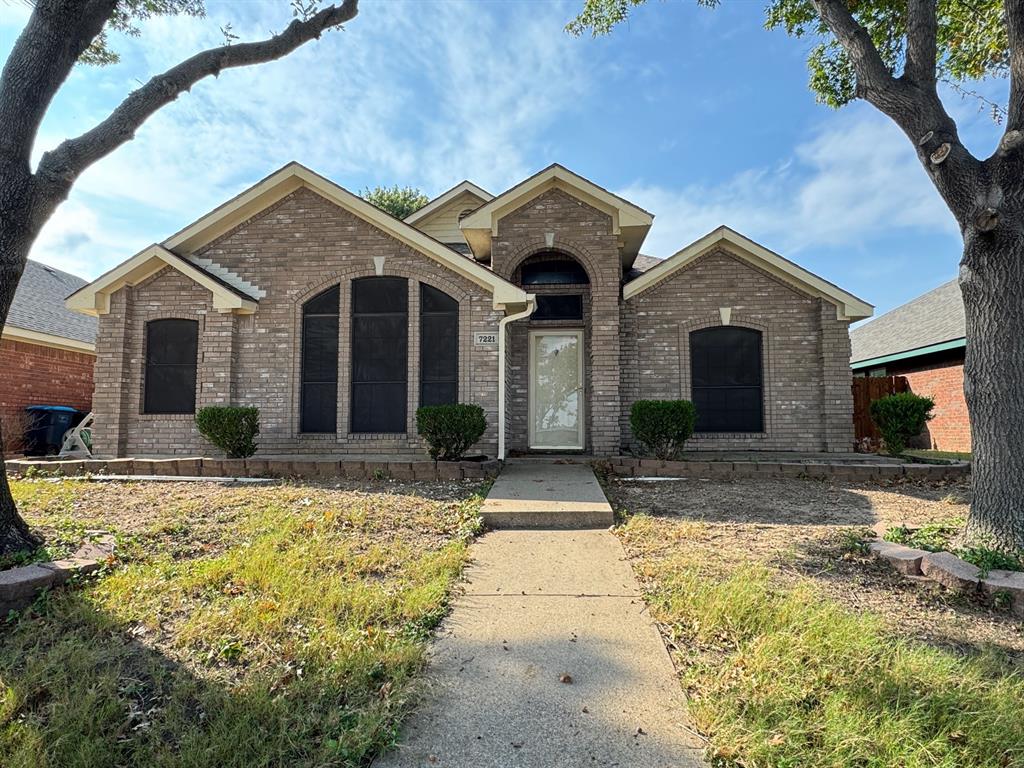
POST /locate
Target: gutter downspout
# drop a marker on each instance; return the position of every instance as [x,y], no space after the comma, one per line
[530,306]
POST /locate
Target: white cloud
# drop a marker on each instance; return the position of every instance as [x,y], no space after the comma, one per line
[856,178]
[409,93]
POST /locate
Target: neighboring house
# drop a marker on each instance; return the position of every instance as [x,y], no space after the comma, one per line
[338,321]
[47,352]
[924,340]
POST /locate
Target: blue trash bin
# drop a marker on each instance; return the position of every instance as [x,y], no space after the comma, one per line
[46,427]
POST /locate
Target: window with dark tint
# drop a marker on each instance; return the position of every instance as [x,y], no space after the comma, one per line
[319,398]
[439,347]
[727,380]
[380,352]
[557,306]
[554,272]
[172,348]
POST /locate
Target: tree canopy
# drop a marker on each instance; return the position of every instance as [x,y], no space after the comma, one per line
[398,201]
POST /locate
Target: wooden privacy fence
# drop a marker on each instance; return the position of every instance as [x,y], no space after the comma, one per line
[865,390]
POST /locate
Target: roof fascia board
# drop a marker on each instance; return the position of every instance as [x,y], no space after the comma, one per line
[285,181]
[441,200]
[942,346]
[848,306]
[94,298]
[13,333]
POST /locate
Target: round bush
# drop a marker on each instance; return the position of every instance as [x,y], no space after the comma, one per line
[233,429]
[450,430]
[662,426]
[900,417]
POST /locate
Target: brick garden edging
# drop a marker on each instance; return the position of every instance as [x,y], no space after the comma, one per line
[839,470]
[257,467]
[953,573]
[19,587]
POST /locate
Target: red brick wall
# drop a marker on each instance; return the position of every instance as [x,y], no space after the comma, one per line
[943,381]
[31,374]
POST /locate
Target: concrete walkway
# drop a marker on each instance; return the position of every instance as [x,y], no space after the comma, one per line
[549,658]
[532,494]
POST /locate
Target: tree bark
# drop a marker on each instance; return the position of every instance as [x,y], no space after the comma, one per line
[992,282]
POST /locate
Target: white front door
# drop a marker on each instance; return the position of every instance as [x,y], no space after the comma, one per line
[556,390]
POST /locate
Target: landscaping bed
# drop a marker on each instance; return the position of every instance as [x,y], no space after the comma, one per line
[798,648]
[236,626]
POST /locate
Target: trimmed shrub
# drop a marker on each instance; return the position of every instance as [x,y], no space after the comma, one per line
[662,426]
[900,417]
[233,429]
[450,429]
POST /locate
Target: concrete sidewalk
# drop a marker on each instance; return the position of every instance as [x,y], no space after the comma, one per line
[549,658]
[531,494]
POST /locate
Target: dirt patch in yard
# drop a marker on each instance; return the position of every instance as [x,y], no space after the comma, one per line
[808,529]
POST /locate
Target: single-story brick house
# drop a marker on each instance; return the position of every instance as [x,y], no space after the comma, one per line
[47,352]
[924,340]
[338,321]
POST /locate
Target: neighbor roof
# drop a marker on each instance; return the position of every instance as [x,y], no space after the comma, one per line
[934,319]
[39,308]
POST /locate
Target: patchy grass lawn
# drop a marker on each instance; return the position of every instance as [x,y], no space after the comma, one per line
[242,626]
[797,650]
[915,453]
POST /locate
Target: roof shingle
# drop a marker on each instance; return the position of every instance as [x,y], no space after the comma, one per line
[932,318]
[39,304]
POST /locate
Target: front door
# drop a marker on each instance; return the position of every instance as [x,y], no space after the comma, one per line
[556,390]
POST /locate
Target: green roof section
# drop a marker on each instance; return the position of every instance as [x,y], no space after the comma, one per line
[930,349]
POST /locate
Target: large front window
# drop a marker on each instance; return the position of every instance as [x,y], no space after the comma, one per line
[439,347]
[172,348]
[319,398]
[726,379]
[380,354]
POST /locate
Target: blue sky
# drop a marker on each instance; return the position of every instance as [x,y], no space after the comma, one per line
[700,116]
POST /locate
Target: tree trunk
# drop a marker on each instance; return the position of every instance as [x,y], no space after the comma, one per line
[15,241]
[992,282]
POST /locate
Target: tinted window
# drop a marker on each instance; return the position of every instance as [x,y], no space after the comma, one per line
[319,395]
[439,347]
[556,306]
[380,354]
[172,348]
[727,379]
[554,272]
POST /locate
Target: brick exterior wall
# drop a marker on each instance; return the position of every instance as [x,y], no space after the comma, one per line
[635,349]
[805,353]
[37,375]
[583,233]
[293,251]
[942,379]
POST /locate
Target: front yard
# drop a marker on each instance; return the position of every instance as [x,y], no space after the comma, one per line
[240,626]
[798,650]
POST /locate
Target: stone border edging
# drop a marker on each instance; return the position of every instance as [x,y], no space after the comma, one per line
[19,587]
[952,572]
[257,467]
[823,470]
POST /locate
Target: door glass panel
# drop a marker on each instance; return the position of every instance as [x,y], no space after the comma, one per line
[557,391]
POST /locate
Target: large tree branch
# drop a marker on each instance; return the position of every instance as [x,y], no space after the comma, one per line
[922,43]
[59,168]
[913,103]
[56,35]
[1015,31]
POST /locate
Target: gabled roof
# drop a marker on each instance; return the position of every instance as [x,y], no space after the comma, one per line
[630,222]
[441,200]
[94,298]
[231,294]
[934,319]
[848,306]
[38,313]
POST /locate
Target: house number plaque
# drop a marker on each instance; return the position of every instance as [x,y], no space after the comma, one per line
[486,339]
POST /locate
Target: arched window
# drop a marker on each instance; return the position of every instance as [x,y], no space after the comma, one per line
[319,396]
[554,271]
[380,354]
[172,349]
[439,347]
[726,379]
